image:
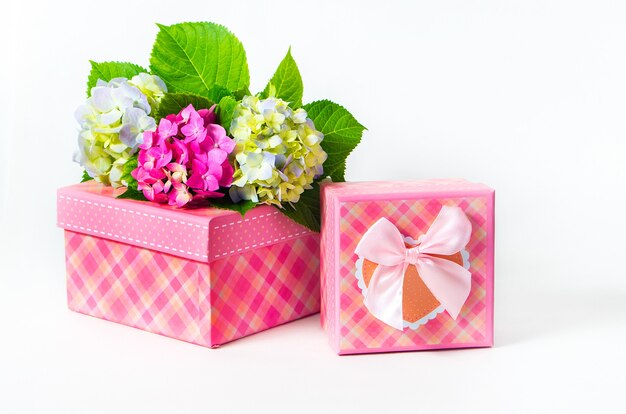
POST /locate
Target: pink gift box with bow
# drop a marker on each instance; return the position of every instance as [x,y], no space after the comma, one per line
[407,265]
[204,275]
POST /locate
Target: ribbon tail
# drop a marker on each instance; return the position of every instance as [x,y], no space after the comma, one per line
[384,294]
[448,282]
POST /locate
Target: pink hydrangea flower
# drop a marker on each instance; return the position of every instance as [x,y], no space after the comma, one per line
[185,159]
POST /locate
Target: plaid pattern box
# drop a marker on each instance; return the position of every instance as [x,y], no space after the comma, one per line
[204,276]
[348,211]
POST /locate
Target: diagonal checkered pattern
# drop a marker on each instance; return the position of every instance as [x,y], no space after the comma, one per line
[359,331]
[203,303]
[264,288]
[141,288]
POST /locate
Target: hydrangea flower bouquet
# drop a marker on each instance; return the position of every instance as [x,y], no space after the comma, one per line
[189,131]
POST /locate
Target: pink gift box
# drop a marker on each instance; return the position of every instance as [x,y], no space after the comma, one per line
[205,276]
[349,211]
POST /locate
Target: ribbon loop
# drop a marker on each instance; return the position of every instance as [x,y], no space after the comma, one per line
[448,282]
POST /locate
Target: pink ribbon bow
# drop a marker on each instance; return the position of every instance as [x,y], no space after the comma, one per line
[449,283]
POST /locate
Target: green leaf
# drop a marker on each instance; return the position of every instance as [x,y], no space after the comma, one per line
[225,110]
[217,92]
[307,210]
[287,82]
[86,177]
[193,57]
[342,133]
[132,194]
[172,103]
[239,95]
[127,177]
[226,204]
[109,70]
[339,175]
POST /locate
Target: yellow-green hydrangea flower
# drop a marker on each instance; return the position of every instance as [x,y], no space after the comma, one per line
[112,122]
[278,152]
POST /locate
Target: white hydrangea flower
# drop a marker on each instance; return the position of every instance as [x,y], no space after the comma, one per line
[112,121]
[134,122]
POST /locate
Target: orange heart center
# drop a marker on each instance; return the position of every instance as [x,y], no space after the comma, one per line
[417,300]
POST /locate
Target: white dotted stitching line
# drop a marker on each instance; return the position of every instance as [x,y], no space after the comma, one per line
[133,240]
[125,210]
[181,222]
[244,221]
[180,250]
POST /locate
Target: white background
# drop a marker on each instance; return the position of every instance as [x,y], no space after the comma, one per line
[528,97]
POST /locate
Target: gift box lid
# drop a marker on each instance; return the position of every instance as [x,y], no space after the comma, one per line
[391,190]
[200,234]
